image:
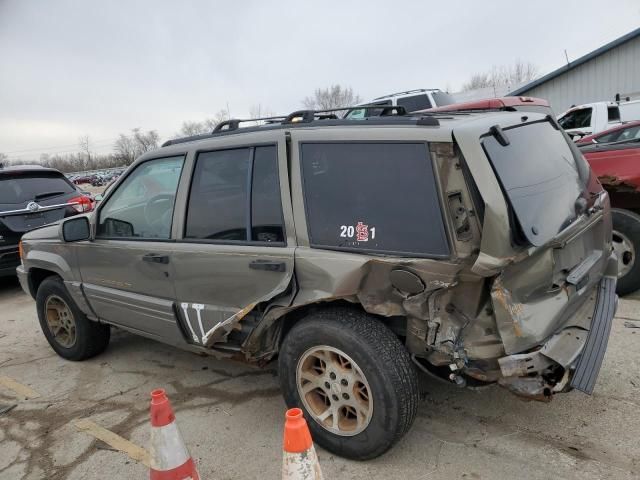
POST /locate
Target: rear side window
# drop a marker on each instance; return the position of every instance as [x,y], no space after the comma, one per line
[235,196]
[21,188]
[373,197]
[415,102]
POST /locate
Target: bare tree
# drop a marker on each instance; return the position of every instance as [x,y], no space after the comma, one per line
[145,141]
[334,96]
[513,75]
[211,122]
[192,128]
[125,148]
[4,159]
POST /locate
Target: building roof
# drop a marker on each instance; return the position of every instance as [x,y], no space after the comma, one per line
[571,65]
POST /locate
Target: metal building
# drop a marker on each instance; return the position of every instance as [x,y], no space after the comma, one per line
[612,69]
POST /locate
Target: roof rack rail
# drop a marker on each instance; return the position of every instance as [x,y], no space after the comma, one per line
[308,116]
[234,123]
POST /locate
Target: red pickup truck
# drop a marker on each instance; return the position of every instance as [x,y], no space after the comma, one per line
[617,166]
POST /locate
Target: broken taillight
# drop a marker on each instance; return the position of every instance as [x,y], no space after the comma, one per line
[81,204]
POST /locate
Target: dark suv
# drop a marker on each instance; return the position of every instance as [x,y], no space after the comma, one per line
[475,247]
[30,197]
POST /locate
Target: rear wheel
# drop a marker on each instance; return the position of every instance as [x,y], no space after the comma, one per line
[353,379]
[626,241]
[69,332]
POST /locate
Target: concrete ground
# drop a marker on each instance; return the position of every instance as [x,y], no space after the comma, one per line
[231,415]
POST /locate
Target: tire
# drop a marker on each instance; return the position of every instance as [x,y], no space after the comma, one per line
[88,339]
[375,352]
[626,244]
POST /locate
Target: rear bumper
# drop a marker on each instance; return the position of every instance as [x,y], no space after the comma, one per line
[578,351]
[590,361]
[9,260]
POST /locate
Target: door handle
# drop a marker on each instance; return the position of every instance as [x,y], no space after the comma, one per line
[155,258]
[268,265]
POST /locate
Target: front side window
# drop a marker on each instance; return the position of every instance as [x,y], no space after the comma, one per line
[373,197]
[142,206]
[415,102]
[235,196]
[580,118]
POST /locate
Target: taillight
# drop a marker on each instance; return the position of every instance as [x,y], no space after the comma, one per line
[81,204]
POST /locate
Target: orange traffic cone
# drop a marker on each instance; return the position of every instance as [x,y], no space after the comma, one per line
[170,459]
[300,461]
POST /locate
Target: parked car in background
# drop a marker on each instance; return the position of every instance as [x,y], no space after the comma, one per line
[476,247]
[621,133]
[80,179]
[30,197]
[596,117]
[617,165]
[411,100]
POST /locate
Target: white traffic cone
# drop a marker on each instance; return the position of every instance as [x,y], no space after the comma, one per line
[299,461]
[170,459]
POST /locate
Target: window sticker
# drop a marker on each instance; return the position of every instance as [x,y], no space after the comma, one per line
[361,231]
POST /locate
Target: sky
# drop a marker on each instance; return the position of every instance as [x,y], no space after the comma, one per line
[100,68]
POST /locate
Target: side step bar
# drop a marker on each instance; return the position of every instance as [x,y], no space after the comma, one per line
[584,378]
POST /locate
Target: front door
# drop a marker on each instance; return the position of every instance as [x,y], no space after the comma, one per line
[235,251]
[127,270]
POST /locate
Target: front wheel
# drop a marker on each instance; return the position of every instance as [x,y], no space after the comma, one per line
[626,241]
[69,332]
[353,379]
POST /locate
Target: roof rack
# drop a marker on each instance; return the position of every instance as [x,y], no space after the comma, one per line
[307,116]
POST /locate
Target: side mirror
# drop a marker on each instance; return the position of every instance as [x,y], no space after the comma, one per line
[98,197]
[76,229]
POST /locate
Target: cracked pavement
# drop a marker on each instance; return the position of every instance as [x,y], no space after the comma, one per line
[231,415]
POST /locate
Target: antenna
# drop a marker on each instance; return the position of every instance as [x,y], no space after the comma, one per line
[566,56]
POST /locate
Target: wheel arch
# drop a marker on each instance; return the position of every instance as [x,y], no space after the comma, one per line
[265,341]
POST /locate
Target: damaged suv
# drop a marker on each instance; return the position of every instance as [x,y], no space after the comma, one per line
[474,247]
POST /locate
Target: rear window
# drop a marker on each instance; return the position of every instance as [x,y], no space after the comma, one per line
[21,188]
[540,176]
[613,114]
[415,102]
[373,197]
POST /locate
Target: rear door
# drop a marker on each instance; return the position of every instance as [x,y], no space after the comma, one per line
[237,240]
[126,270]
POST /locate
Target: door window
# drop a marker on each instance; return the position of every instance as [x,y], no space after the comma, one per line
[580,118]
[376,197]
[142,206]
[235,197]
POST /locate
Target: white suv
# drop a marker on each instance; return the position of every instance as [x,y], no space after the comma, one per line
[411,100]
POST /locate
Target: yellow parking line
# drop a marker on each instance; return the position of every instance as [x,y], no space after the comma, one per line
[22,390]
[121,444]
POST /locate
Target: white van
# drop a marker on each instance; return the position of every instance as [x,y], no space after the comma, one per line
[596,117]
[411,100]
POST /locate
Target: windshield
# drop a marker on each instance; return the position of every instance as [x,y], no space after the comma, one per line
[540,177]
[21,188]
